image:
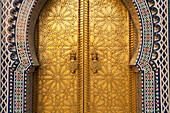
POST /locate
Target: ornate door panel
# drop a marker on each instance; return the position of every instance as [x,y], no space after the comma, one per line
[109,49]
[83,48]
[57,31]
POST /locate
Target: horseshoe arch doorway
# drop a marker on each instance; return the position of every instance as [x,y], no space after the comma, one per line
[84,50]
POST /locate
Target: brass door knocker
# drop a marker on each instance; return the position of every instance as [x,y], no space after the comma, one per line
[95,65]
[72,64]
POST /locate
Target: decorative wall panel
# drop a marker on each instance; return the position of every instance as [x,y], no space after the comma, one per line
[148,86]
[7,42]
[152,60]
[161,52]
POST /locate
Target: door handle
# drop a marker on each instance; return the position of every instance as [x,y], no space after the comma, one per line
[95,65]
[72,64]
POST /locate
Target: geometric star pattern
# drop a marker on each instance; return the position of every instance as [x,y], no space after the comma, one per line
[109,38]
[56,87]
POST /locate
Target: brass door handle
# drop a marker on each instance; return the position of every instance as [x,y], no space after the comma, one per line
[95,65]
[72,64]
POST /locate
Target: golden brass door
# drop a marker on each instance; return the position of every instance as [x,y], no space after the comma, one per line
[84,48]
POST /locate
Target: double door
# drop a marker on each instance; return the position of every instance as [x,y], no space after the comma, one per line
[83,48]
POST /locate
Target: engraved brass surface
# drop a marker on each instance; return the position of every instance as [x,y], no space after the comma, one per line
[84,48]
[132,75]
[57,87]
[109,37]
